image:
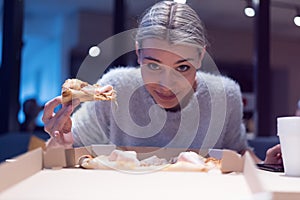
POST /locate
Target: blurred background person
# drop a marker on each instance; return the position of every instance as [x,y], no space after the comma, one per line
[31,111]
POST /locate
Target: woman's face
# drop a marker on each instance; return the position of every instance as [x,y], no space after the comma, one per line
[168,71]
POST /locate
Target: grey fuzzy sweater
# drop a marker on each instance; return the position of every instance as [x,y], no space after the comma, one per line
[211,119]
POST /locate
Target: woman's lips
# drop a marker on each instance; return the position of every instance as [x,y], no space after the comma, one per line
[165,96]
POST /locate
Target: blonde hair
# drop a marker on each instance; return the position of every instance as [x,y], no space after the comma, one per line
[175,22]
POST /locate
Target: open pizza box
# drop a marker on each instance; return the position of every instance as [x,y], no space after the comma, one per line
[274,185]
[231,161]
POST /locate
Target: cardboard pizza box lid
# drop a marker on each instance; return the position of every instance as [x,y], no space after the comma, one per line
[36,142]
[17,169]
[232,161]
[277,184]
[55,157]
[73,155]
[104,149]
[259,182]
[60,157]
[33,161]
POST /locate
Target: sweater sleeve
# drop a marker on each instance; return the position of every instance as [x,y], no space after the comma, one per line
[235,135]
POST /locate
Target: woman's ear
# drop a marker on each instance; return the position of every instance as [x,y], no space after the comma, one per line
[137,52]
[202,54]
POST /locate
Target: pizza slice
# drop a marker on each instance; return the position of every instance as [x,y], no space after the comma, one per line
[191,161]
[127,160]
[121,160]
[77,89]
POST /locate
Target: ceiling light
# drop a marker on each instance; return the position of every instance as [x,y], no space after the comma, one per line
[94,51]
[249,10]
[297,18]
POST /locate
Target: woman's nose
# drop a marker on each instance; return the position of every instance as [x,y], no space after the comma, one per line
[168,78]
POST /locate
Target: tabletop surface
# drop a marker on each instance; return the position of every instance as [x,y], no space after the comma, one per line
[111,184]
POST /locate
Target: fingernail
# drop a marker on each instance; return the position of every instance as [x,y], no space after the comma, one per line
[56,133]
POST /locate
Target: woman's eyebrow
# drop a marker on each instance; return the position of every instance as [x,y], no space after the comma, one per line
[183,60]
[151,58]
[177,62]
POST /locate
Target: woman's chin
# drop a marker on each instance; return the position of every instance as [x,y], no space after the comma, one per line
[169,106]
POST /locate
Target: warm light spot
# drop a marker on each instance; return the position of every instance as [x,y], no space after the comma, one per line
[94,51]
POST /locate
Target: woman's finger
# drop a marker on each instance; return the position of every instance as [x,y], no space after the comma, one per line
[49,108]
[274,150]
[57,137]
[62,118]
[53,123]
[59,120]
[63,138]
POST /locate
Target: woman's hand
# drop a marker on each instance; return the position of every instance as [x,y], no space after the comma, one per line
[58,125]
[273,155]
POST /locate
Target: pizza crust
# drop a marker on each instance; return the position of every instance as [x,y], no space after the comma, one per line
[77,89]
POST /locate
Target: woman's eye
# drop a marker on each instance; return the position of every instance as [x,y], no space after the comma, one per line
[153,66]
[183,68]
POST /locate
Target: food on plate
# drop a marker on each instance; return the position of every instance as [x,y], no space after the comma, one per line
[154,161]
[77,89]
[124,159]
[118,159]
[191,161]
[190,157]
[127,160]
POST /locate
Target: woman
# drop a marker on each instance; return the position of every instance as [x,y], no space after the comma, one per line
[166,102]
